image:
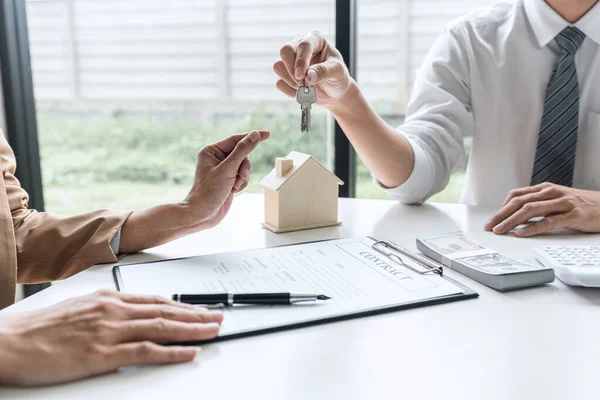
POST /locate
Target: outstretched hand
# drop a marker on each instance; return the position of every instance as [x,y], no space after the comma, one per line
[222,170]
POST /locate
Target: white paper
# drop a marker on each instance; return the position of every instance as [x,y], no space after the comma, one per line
[357,278]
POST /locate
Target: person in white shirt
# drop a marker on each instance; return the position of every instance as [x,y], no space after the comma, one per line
[521,78]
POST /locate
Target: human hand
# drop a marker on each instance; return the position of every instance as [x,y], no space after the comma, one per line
[560,207]
[314,59]
[98,333]
[222,170]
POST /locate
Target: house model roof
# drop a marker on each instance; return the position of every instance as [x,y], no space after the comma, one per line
[273,182]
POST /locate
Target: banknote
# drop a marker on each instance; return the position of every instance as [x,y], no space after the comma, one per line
[497,263]
[454,243]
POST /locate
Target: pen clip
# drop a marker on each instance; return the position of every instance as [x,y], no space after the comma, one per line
[392,254]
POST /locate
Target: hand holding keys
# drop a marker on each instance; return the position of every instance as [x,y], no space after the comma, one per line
[321,64]
[306,96]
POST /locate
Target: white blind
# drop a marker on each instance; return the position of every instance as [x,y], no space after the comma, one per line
[207,50]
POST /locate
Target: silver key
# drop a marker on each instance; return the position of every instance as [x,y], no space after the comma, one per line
[306,96]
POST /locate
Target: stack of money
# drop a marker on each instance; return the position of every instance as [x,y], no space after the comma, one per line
[481,264]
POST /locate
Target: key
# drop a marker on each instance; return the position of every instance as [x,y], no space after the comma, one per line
[306,96]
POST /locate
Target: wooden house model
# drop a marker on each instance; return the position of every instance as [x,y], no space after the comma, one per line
[300,193]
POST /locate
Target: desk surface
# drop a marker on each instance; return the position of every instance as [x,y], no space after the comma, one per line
[539,343]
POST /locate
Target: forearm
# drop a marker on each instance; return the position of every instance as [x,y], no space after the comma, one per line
[385,152]
[157,225]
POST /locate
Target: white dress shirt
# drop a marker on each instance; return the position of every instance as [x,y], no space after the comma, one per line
[486,77]
[115,242]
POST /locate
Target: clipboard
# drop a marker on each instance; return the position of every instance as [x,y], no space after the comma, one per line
[392,252]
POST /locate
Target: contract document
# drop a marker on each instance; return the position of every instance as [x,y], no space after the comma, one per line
[359,279]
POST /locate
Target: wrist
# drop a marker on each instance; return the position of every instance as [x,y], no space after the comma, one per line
[158,225]
[193,217]
[347,101]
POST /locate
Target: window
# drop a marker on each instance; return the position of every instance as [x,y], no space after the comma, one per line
[393,39]
[127,92]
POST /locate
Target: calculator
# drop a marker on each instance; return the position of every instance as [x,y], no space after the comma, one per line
[574,265]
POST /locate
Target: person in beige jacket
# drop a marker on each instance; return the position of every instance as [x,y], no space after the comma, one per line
[105,330]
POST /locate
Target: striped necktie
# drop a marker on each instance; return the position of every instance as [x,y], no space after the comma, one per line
[555,153]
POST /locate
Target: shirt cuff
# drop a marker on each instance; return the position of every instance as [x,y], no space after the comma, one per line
[115,242]
[418,185]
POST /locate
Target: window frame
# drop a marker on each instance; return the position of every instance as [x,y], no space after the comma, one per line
[19,105]
[345,37]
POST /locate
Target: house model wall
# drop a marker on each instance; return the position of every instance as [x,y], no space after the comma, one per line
[300,193]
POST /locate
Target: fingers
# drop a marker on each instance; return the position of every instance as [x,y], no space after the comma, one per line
[528,211]
[283,87]
[243,176]
[228,144]
[163,330]
[332,70]
[173,313]
[239,182]
[242,150]
[150,299]
[241,188]
[310,45]
[514,205]
[525,190]
[288,56]
[147,353]
[544,225]
[282,72]
[244,171]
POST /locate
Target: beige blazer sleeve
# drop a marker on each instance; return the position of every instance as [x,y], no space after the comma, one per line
[49,247]
[8,249]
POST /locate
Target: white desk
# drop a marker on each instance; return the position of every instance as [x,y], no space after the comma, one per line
[540,343]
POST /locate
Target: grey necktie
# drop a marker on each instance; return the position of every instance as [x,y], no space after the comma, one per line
[555,154]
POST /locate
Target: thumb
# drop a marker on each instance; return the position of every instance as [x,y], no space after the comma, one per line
[242,149]
[332,70]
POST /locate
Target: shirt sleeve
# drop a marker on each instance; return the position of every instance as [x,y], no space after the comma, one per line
[438,117]
[115,242]
[412,190]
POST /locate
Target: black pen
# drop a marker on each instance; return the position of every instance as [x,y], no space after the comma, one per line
[230,299]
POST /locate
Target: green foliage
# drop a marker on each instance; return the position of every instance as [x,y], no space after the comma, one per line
[76,150]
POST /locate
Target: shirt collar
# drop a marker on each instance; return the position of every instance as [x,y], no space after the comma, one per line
[589,25]
[547,23]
